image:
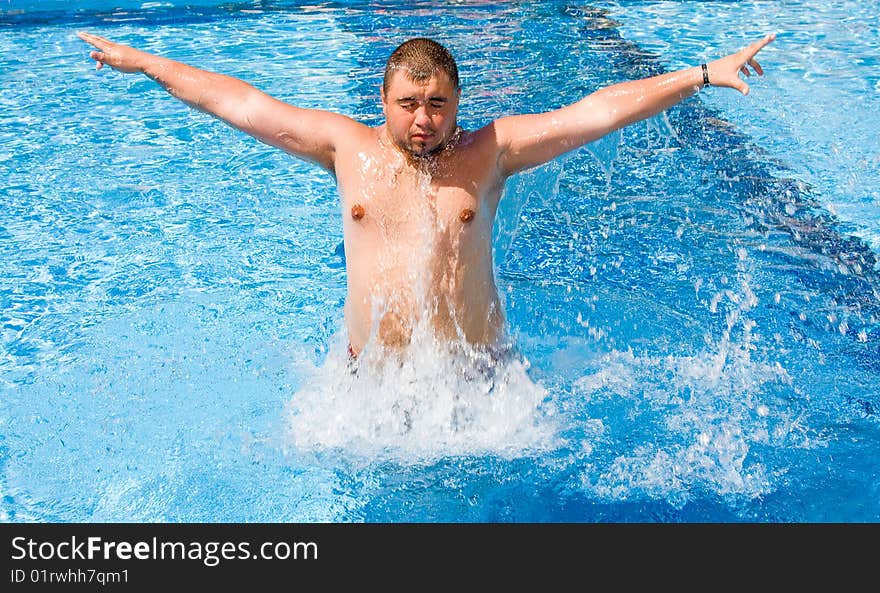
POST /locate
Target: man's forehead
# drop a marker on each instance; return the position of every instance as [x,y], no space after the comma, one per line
[402,83]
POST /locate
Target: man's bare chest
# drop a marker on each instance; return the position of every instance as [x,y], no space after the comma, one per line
[410,204]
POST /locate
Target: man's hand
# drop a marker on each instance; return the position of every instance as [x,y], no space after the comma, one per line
[119,57]
[725,71]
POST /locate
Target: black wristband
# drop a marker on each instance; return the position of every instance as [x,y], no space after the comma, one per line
[705,74]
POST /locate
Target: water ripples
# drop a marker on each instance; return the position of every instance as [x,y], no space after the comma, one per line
[690,310]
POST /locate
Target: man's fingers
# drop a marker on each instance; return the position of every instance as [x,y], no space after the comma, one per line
[99,42]
[748,57]
[759,45]
[99,57]
[756,66]
[85,36]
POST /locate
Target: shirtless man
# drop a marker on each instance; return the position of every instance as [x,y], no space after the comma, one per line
[418,193]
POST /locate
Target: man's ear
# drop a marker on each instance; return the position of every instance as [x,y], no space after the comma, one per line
[382,95]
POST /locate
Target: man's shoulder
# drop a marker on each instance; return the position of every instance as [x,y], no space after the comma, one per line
[481,141]
[354,134]
[482,136]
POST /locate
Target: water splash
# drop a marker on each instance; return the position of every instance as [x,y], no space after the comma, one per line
[416,406]
[695,418]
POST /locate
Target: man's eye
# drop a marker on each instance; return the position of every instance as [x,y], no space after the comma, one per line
[407,104]
[438,104]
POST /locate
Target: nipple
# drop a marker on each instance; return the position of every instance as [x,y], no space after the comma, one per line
[466,215]
[357,212]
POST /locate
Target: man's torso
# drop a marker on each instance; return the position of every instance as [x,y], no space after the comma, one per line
[418,240]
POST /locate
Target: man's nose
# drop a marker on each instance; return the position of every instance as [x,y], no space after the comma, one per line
[423,118]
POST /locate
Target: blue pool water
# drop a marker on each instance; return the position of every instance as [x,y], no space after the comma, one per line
[695,298]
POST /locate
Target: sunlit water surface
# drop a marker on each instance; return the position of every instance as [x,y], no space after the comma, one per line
[693,300]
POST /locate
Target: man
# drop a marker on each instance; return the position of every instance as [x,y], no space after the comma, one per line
[418,193]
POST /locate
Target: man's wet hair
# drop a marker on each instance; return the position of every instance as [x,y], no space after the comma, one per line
[420,59]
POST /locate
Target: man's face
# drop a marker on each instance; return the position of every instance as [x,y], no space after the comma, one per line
[420,116]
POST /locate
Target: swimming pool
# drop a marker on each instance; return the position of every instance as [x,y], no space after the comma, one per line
[695,298]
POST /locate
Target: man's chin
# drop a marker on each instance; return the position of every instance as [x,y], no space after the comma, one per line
[419,149]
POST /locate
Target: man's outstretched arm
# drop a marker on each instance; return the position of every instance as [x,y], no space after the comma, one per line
[307,133]
[526,141]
